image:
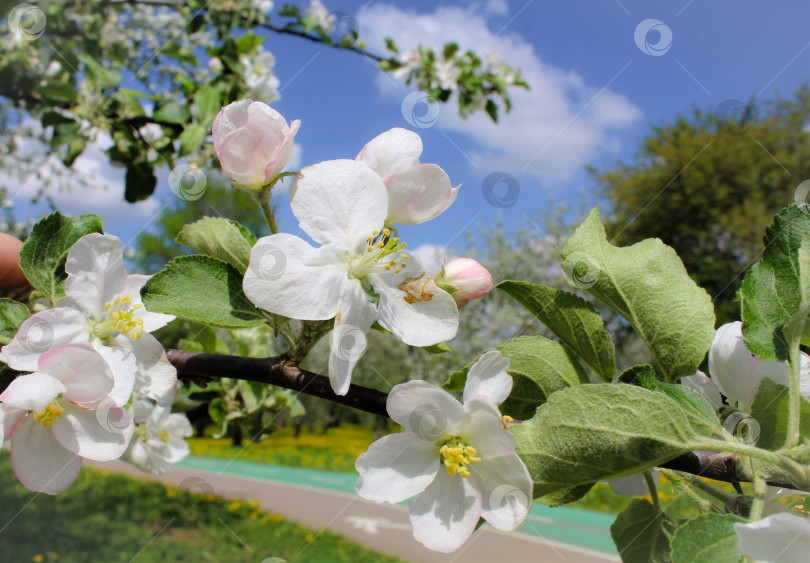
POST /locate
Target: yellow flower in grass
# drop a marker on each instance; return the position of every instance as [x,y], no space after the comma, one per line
[234,506]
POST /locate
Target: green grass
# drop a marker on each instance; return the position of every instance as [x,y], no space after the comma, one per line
[110,518]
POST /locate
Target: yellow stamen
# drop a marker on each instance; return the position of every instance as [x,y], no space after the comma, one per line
[47,416]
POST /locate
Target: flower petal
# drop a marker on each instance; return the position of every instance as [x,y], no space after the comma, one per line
[96,273]
[485,430]
[156,377]
[632,485]
[347,341]
[339,201]
[288,277]
[396,149]
[701,383]
[396,467]
[732,366]
[418,194]
[40,462]
[506,490]
[82,370]
[426,410]
[488,377]
[783,537]
[413,307]
[123,365]
[151,321]
[101,434]
[32,391]
[445,514]
[42,331]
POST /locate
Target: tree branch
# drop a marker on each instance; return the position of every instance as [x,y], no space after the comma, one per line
[201,368]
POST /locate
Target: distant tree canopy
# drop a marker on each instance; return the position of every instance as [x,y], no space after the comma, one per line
[709,184]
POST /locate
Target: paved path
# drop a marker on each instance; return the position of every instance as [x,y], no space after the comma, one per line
[322,499]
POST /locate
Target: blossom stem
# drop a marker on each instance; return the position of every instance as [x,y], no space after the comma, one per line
[648,477]
[684,484]
[263,199]
[794,401]
[799,474]
[759,497]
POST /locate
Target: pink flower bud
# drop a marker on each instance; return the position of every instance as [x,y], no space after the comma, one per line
[215,65]
[253,142]
[464,279]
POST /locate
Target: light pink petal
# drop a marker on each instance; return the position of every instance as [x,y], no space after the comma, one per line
[632,485]
[705,386]
[488,377]
[156,377]
[339,201]
[392,151]
[43,331]
[288,277]
[485,430]
[96,273]
[506,490]
[101,434]
[781,538]
[32,392]
[426,410]
[83,371]
[396,467]
[418,194]
[347,341]
[40,462]
[123,364]
[445,514]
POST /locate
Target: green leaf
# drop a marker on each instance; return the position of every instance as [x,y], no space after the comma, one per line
[12,315]
[140,181]
[221,238]
[646,284]
[538,367]
[565,496]
[590,433]
[202,289]
[42,257]
[172,112]
[775,292]
[208,104]
[192,138]
[439,348]
[708,537]
[572,319]
[770,411]
[642,534]
[217,410]
[633,375]
[98,74]
[253,394]
[60,92]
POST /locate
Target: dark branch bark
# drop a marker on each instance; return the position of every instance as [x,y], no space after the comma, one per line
[201,368]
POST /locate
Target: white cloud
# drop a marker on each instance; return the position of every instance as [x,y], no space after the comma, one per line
[497,7]
[431,256]
[552,130]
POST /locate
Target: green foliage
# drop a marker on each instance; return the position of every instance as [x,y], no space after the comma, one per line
[12,315]
[202,289]
[708,185]
[647,285]
[708,537]
[43,255]
[572,319]
[770,411]
[642,533]
[588,433]
[775,293]
[221,238]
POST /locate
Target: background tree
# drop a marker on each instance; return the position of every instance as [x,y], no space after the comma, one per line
[708,185]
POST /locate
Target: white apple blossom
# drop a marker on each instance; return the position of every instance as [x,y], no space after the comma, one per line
[416,192]
[783,537]
[317,12]
[737,373]
[253,143]
[458,459]
[159,438]
[258,76]
[102,307]
[60,414]
[342,205]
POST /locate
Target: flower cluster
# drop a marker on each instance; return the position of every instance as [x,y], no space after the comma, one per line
[88,358]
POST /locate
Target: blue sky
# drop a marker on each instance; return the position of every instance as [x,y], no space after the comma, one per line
[595,94]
